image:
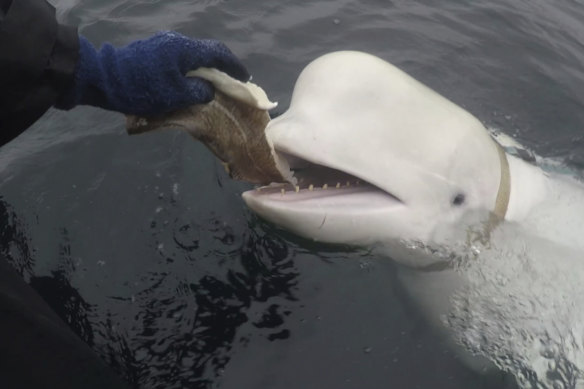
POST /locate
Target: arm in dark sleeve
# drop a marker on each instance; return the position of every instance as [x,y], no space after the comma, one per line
[37,63]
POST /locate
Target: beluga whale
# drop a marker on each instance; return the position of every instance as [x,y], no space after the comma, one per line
[380,157]
[487,244]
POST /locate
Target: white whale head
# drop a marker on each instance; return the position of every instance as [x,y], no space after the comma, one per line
[388,160]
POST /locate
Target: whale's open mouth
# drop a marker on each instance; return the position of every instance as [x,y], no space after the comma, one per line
[324,187]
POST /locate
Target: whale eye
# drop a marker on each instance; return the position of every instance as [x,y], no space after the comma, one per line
[458,199]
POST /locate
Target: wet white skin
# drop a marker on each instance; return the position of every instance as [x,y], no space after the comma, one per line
[379,157]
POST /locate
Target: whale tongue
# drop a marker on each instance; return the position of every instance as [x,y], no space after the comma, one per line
[232,126]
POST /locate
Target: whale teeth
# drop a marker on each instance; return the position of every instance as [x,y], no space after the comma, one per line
[299,187]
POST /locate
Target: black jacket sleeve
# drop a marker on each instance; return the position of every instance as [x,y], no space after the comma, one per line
[37,63]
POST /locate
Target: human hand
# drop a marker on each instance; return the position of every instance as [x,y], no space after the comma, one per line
[147,77]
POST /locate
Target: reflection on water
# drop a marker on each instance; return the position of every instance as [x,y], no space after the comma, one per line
[183,339]
[14,241]
[66,302]
[182,330]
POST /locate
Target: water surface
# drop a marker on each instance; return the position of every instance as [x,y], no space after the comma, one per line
[144,246]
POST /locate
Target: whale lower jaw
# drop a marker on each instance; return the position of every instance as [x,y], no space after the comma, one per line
[344,199]
[350,214]
[319,189]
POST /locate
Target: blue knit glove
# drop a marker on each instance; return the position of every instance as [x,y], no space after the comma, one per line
[147,77]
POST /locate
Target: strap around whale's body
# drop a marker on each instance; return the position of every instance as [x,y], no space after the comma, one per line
[502,201]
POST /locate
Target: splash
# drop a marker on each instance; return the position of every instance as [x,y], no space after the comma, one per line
[522,306]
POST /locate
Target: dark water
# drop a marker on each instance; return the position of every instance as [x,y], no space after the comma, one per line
[144,246]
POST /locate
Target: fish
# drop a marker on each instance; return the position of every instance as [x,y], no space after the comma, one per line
[232,126]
